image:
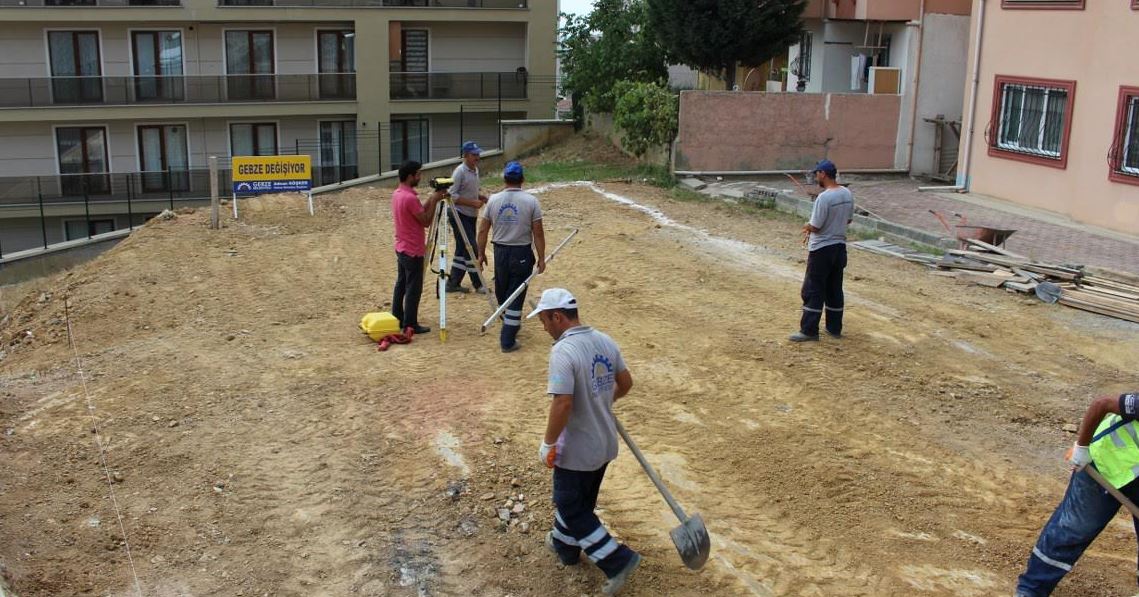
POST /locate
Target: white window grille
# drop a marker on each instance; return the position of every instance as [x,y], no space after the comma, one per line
[1032,119]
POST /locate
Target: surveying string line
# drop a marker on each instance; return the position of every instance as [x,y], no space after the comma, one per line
[99,441]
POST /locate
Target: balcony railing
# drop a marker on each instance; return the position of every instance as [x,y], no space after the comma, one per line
[380,3]
[458,86]
[87,3]
[119,91]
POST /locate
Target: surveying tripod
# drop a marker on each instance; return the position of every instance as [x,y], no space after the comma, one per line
[437,244]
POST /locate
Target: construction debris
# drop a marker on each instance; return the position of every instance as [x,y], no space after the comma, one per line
[988,265]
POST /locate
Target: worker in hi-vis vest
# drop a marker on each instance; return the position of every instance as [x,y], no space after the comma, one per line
[1108,440]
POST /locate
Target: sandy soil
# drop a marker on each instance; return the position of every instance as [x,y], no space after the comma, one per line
[261,445]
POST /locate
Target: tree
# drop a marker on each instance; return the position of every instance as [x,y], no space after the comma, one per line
[646,114]
[714,35]
[610,45]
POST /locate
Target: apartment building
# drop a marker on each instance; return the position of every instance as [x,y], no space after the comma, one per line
[1055,113]
[109,109]
[911,50]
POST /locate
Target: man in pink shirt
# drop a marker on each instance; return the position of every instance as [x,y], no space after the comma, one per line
[410,218]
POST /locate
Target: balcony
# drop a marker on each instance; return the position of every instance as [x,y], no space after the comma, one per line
[88,3]
[500,4]
[122,91]
[458,86]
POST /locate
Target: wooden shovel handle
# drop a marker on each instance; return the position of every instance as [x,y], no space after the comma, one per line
[1093,473]
[676,509]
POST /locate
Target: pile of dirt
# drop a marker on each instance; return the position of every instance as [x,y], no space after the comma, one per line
[585,147]
[258,443]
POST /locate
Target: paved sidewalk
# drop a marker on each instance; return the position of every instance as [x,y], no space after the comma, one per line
[1039,234]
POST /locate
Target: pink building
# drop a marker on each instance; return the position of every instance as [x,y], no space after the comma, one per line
[1052,116]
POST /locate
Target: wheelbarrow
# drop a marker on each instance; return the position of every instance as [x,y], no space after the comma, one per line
[963,232]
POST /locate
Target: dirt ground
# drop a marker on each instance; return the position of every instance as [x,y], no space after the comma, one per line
[259,444]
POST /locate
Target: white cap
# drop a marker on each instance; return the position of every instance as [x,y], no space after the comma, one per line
[554,298]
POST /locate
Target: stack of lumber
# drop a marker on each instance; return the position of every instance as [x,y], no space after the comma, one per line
[995,267]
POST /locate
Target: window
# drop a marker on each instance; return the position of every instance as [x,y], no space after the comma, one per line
[801,66]
[1045,4]
[1124,156]
[336,57]
[1031,120]
[82,155]
[75,66]
[253,138]
[163,157]
[76,229]
[249,65]
[157,64]
[337,151]
[410,141]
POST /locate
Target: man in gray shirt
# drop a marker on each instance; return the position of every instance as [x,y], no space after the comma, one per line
[517,221]
[587,375]
[826,257]
[468,200]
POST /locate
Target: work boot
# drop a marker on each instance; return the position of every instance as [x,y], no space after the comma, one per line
[835,335]
[801,337]
[615,584]
[481,290]
[554,550]
[457,288]
[513,347]
[420,329]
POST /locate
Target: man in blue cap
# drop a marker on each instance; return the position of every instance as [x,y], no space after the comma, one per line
[468,200]
[825,235]
[516,218]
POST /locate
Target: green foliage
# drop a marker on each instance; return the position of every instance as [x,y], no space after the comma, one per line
[716,34]
[646,115]
[610,45]
[574,170]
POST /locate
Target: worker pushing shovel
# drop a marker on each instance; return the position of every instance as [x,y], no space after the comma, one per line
[587,375]
[1105,474]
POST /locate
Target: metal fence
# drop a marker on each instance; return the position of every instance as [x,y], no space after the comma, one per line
[87,3]
[434,86]
[198,89]
[39,211]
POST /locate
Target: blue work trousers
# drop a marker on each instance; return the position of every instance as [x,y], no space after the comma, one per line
[512,265]
[577,528]
[1086,510]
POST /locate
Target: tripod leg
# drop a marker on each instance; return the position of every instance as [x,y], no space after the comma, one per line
[473,254]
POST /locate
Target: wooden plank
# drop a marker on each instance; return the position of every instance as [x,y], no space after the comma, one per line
[1109,292]
[1097,309]
[1114,303]
[1026,287]
[994,249]
[965,265]
[988,280]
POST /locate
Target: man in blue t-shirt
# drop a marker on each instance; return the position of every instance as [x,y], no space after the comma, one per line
[826,258]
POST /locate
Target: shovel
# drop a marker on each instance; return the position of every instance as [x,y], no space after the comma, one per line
[691,537]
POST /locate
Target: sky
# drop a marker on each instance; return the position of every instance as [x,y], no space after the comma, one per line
[579,7]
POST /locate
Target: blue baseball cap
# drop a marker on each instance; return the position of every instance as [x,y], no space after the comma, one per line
[471,147]
[512,171]
[827,167]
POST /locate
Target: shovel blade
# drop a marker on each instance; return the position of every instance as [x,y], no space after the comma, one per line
[692,542]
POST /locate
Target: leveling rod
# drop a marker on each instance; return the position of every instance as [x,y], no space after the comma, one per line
[517,291]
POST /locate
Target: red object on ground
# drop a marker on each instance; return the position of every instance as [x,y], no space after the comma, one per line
[404,338]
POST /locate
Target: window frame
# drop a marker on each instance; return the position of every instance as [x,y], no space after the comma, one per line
[1045,4]
[993,133]
[1120,138]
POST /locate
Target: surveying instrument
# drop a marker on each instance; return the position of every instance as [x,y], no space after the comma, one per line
[437,244]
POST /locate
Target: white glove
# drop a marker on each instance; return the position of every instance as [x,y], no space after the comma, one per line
[1079,457]
[547,454]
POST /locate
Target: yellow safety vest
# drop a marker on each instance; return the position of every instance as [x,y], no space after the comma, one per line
[1116,455]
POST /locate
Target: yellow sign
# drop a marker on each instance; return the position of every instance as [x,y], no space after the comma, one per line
[272,167]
